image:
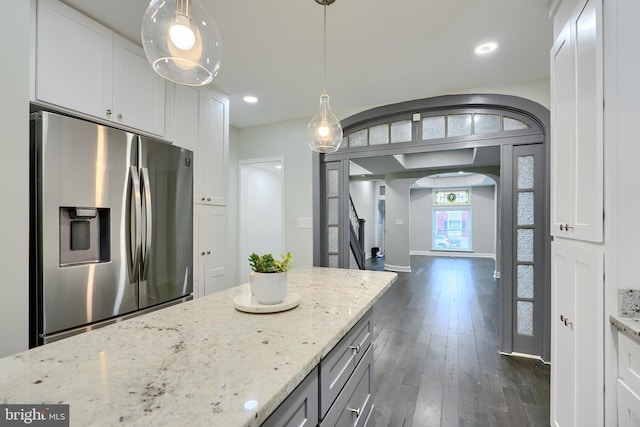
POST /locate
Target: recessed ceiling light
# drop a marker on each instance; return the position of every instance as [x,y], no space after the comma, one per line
[486,48]
[250,99]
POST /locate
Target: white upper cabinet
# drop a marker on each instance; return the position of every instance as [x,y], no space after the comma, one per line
[577,126]
[73,62]
[138,92]
[187,116]
[212,165]
[202,126]
[84,67]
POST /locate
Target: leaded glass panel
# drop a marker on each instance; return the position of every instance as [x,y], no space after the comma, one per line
[333,261]
[332,183]
[509,123]
[401,131]
[333,239]
[332,211]
[486,123]
[525,245]
[379,134]
[433,127]
[525,208]
[359,138]
[525,317]
[459,125]
[525,281]
[526,166]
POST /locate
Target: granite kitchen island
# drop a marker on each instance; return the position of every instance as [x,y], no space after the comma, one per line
[197,363]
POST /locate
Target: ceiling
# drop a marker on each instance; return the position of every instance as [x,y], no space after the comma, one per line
[378,51]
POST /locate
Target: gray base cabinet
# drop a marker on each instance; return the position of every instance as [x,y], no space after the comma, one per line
[355,402]
[338,366]
[301,407]
[339,391]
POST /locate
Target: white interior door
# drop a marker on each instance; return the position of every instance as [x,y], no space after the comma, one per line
[262,207]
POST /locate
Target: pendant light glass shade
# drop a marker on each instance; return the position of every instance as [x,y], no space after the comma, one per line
[324,131]
[181,41]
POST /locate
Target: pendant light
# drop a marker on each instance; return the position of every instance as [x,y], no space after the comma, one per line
[181,41]
[324,131]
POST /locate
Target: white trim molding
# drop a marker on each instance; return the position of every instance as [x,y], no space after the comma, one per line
[398,268]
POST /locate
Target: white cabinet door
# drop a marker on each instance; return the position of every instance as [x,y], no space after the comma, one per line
[73,60]
[562,133]
[187,113]
[577,374]
[210,241]
[577,126]
[628,406]
[138,92]
[213,148]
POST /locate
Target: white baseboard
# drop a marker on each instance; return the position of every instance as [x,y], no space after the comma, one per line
[398,268]
[455,254]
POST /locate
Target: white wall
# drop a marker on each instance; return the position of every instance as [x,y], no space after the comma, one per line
[286,139]
[397,224]
[483,211]
[14,179]
[535,90]
[363,194]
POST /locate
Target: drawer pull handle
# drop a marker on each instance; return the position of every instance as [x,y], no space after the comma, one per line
[565,320]
[355,348]
[355,411]
[565,227]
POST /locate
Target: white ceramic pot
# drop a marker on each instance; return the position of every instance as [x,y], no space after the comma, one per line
[269,288]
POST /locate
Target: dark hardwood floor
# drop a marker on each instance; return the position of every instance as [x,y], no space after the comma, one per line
[436,352]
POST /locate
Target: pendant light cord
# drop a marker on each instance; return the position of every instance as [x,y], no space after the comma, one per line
[325,47]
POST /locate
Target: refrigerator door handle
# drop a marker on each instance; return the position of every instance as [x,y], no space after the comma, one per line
[134,224]
[148,232]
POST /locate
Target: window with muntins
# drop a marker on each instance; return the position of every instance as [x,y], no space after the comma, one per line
[451,220]
[454,125]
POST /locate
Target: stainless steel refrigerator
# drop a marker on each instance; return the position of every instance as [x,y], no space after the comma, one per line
[111,225]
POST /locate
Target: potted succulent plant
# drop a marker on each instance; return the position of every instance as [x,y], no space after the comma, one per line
[269,277]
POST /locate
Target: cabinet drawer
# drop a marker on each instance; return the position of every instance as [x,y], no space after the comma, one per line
[628,407]
[629,362]
[339,364]
[353,406]
[300,408]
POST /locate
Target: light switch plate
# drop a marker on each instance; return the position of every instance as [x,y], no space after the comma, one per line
[304,222]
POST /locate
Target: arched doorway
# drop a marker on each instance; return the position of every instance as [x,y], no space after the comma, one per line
[441,135]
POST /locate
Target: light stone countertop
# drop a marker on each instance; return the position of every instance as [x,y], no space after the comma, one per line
[628,318]
[630,326]
[196,363]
